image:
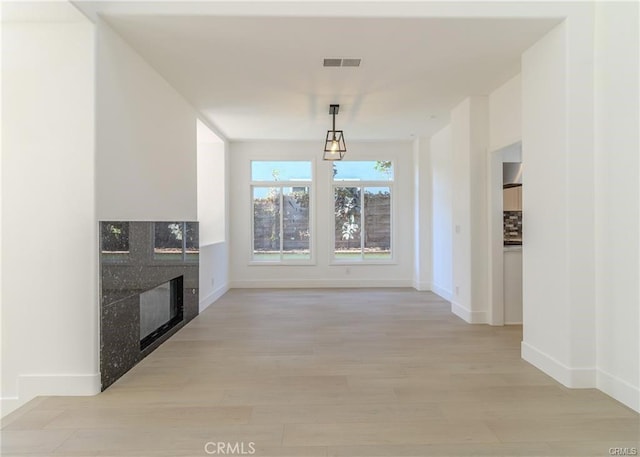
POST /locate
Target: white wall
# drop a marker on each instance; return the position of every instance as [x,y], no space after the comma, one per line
[321,274]
[211,186]
[469,142]
[617,201]
[214,273]
[212,215]
[505,119]
[49,246]
[442,195]
[146,139]
[558,252]
[545,293]
[422,275]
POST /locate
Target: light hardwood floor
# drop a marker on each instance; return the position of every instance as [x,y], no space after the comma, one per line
[351,372]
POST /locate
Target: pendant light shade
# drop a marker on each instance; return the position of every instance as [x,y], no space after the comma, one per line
[334,147]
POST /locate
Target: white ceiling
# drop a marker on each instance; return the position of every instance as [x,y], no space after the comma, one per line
[262,77]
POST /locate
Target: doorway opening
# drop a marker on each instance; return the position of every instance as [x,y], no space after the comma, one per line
[498,249]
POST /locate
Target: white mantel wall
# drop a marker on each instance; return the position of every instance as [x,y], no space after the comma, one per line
[146,167]
[321,274]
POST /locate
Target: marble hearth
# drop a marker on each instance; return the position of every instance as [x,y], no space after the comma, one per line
[149,289]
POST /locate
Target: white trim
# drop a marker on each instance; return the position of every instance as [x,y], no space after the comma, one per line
[31,386]
[464,313]
[207,301]
[281,185]
[362,184]
[338,262]
[442,292]
[319,283]
[619,389]
[284,263]
[578,378]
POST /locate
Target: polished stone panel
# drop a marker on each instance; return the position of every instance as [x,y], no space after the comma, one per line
[135,258]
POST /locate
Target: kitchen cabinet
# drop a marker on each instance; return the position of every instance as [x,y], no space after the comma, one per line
[512,199]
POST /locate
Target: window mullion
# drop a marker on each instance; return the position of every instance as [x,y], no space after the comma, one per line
[281,222]
[333,219]
[362,227]
[184,241]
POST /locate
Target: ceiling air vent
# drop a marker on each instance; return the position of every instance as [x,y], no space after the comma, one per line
[350,62]
[342,62]
[332,62]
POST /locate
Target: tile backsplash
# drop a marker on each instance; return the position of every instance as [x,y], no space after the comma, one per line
[512,225]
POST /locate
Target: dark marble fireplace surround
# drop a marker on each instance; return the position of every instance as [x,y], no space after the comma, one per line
[134,260]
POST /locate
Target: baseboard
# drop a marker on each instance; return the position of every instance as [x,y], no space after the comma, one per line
[212,297]
[577,378]
[442,292]
[464,313]
[619,389]
[31,386]
[319,283]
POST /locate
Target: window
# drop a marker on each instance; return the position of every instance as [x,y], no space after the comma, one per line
[280,191]
[114,237]
[175,241]
[362,210]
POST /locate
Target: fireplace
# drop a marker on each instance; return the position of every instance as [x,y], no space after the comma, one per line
[148,289]
[160,310]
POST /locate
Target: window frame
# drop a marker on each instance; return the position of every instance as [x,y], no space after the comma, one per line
[184,257]
[109,257]
[283,184]
[362,184]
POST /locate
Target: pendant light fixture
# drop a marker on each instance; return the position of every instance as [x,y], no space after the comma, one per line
[334,147]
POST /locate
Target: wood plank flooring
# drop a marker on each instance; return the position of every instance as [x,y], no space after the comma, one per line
[340,372]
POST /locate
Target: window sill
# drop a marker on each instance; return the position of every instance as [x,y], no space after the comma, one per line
[334,263]
[283,263]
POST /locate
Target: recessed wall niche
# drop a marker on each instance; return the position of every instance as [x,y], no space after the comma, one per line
[149,289]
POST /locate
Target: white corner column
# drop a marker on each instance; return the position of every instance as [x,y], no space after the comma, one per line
[422,274]
[469,130]
[559,334]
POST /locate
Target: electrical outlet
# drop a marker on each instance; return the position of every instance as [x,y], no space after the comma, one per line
[457,290]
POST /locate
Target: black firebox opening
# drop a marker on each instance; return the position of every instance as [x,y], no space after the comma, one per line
[161,308]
